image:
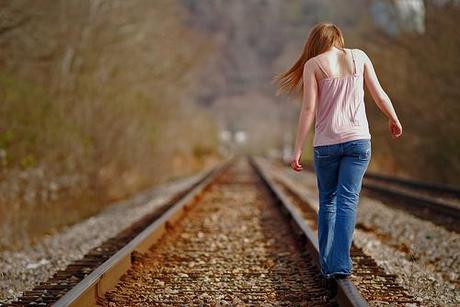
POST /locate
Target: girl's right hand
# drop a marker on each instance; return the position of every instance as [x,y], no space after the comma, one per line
[295,162]
[395,128]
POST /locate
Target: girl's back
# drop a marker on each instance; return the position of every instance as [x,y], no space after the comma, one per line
[335,63]
[340,113]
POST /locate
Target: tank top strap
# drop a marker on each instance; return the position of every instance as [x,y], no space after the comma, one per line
[317,63]
[354,62]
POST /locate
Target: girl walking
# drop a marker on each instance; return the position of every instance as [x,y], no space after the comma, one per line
[331,79]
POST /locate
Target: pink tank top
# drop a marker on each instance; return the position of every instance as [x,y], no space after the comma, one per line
[340,111]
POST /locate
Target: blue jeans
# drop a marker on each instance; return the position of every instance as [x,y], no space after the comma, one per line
[339,171]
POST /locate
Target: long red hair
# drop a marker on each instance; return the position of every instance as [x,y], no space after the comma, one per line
[322,36]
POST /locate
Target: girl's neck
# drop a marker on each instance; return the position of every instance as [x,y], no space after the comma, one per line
[334,49]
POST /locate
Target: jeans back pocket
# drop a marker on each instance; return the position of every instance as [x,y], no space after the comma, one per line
[322,152]
[361,149]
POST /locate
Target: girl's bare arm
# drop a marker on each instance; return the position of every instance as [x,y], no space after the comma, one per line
[307,111]
[381,98]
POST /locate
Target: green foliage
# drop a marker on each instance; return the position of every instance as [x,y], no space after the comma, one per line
[6,138]
[27,115]
[28,161]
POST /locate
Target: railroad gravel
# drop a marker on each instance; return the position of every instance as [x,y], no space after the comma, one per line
[424,256]
[234,248]
[22,270]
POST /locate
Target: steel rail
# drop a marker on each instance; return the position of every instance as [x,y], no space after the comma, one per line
[431,186]
[347,293]
[415,200]
[105,277]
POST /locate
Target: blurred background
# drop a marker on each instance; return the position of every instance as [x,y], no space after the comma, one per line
[101,99]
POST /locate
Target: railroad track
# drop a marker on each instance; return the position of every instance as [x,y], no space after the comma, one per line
[434,188]
[222,242]
[233,248]
[438,197]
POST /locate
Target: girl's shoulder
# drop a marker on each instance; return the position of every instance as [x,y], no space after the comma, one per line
[360,53]
[312,62]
